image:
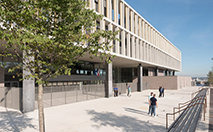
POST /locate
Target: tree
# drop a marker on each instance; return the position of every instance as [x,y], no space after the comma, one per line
[210,77]
[49,36]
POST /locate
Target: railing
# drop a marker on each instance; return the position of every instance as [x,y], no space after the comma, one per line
[10,97]
[191,111]
[58,95]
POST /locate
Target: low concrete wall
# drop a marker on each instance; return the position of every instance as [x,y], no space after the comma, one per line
[184,81]
[1,77]
[168,82]
[10,97]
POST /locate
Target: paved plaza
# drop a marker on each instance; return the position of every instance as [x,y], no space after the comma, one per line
[115,114]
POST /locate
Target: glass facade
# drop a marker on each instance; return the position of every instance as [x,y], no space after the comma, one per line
[11,79]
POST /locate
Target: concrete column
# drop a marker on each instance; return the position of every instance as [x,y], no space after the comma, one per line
[92,4]
[139,26]
[108,80]
[115,4]
[117,43]
[123,42]
[137,48]
[127,18]
[109,9]
[102,27]
[136,24]
[28,93]
[128,44]
[141,50]
[140,78]
[110,29]
[101,7]
[132,21]
[122,13]
[133,47]
[173,73]
[143,29]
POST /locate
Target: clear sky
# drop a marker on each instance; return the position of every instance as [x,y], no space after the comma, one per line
[188,24]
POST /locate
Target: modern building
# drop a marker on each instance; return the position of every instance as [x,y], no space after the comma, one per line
[143,57]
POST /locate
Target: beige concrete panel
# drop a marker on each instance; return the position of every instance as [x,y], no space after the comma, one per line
[141,50]
[143,29]
[136,24]
[109,9]
[127,18]
[133,47]
[117,43]
[128,44]
[137,48]
[146,52]
[115,4]
[123,42]
[139,27]
[111,43]
[132,21]
[122,13]
[168,82]
[102,27]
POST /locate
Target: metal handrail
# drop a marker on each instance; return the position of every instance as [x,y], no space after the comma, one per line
[182,110]
[189,104]
[192,94]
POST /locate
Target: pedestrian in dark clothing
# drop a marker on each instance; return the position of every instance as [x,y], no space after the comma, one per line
[115,91]
[154,104]
[151,95]
[160,92]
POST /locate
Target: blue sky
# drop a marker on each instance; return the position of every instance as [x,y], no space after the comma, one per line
[188,24]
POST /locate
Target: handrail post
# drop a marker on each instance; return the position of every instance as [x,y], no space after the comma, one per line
[179,108]
[173,114]
[204,113]
[166,121]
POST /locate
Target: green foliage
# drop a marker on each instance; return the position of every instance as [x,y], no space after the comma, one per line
[210,77]
[49,35]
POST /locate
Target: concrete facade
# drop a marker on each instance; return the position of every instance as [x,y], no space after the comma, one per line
[146,46]
[168,82]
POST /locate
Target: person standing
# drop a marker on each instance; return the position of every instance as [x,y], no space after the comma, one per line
[150,96]
[115,91]
[129,91]
[162,91]
[154,104]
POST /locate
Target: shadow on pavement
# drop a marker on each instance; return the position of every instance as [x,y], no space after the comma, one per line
[14,121]
[126,123]
[136,111]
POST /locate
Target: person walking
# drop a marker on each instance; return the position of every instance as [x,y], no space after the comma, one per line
[115,91]
[150,96]
[162,91]
[129,91]
[154,104]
